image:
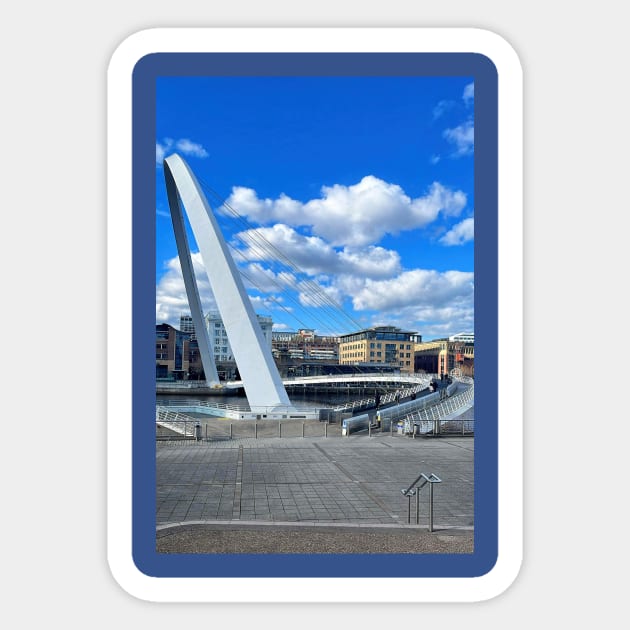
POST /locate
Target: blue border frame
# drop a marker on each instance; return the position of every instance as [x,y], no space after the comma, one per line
[145,74]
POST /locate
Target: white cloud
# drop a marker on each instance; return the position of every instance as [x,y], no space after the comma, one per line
[308,253]
[183,145]
[441,108]
[171,299]
[463,137]
[469,94]
[430,322]
[422,300]
[314,294]
[331,242]
[370,262]
[265,280]
[353,216]
[417,288]
[187,147]
[312,255]
[460,233]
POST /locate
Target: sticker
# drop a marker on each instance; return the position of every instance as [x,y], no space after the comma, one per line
[365,187]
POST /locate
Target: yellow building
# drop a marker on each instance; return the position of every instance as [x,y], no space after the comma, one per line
[381,344]
[443,355]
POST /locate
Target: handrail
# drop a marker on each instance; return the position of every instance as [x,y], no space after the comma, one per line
[431,478]
[414,489]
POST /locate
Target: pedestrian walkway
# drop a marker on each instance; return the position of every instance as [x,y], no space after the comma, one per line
[288,483]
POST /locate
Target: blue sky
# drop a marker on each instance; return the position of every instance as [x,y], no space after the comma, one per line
[364,184]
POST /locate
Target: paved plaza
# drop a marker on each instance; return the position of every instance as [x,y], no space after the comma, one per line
[287,484]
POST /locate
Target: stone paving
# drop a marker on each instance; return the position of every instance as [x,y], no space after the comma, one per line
[342,481]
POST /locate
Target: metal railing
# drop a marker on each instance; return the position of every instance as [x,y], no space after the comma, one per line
[177,428]
[435,419]
[414,490]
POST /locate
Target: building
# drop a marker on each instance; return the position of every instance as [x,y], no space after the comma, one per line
[186,324]
[465,337]
[220,344]
[172,353]
[177,353]
[303,353]
[218,335]
[387,345]
[441,356]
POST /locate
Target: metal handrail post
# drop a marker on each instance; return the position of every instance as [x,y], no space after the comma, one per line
[430,507]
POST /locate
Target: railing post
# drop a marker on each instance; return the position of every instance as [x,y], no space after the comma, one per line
[431,507]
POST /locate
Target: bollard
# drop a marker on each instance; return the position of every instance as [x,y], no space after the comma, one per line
[197,432]
[255,429]
[326,430]
[230,430]
[279,429]
[302,429]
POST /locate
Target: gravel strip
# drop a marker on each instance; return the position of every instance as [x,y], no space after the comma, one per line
[222,539]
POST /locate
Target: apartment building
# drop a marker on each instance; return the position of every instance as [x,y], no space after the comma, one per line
[387,345]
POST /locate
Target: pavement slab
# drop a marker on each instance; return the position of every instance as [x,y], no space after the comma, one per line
[219,496]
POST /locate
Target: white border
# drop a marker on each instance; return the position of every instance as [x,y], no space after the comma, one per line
[119,398]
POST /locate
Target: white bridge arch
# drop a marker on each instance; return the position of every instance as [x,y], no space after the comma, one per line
[261,380]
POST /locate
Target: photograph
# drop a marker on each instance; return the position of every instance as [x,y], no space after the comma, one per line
[315,314]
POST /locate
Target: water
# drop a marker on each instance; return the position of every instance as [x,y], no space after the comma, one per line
[300,401]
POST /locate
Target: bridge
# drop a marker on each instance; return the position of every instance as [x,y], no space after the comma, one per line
[266,391]
[412,403]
